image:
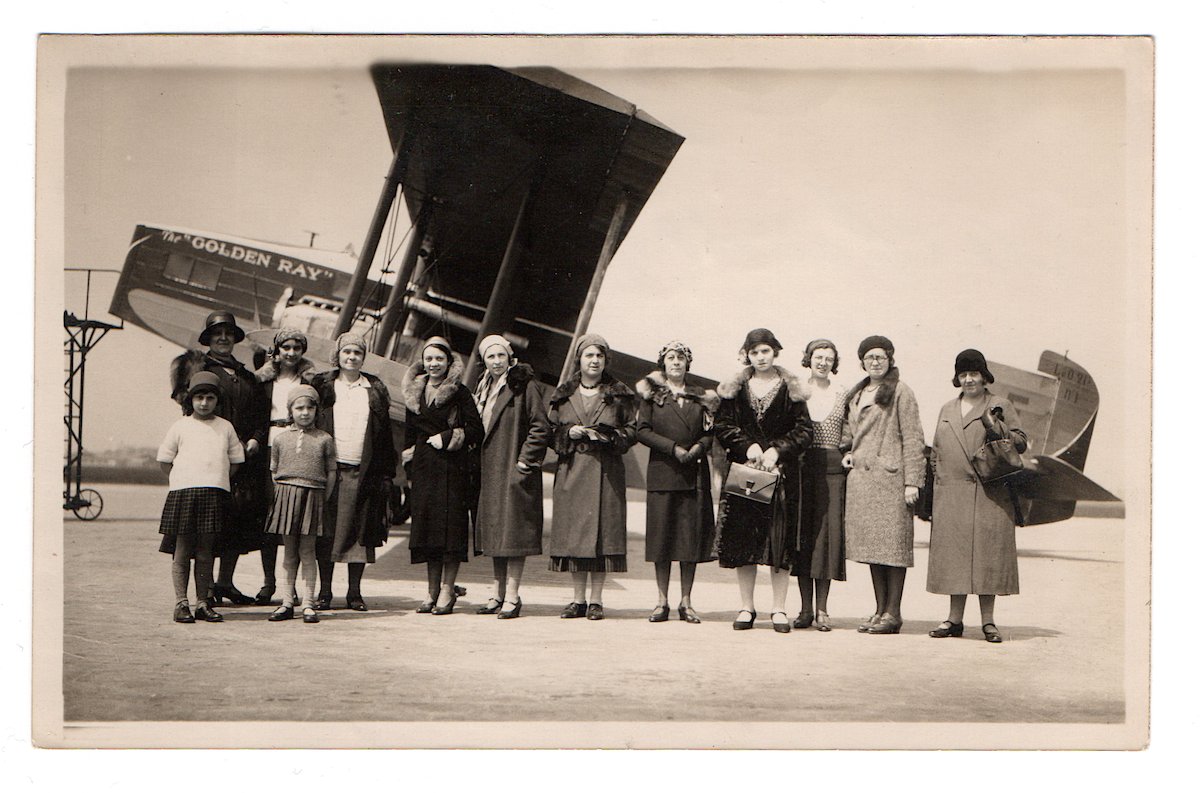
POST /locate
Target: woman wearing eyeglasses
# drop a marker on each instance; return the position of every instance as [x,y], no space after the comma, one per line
[886,465]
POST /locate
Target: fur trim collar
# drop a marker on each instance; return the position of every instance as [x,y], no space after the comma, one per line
[415,379]
[887,389]
[270,370]
[610,389]
[798,390]
[653,388]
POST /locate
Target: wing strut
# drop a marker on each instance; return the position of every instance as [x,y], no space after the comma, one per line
[374,233]
[395,303]
[500,310]
[589,303]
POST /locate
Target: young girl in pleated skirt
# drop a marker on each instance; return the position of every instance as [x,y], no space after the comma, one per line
[304,466]
[199,455]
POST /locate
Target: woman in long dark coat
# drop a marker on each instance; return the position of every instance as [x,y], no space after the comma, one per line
[675,422]
[972,541]
[442,430]
[762,422]
[243,405]
[592,415]
[354,410]
[886,464]
[516,432]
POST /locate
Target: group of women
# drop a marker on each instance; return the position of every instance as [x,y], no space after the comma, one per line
[848,466]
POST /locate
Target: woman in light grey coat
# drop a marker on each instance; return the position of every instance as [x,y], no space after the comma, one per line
[886,465]
[972,542]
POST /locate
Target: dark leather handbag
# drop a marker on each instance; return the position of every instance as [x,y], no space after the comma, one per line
[752,483]
[997,459]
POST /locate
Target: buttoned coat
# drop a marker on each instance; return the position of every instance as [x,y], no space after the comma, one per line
[442,494]
[588,521]
[663,423]
[972,540]
[378,463]
[508,520]
[888,448]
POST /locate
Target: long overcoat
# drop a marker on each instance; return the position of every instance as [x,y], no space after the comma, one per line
[244,404]
[442,493]
[888,447]
[588,521]
[749,532]
[972,540]
[378,463]
[508,520]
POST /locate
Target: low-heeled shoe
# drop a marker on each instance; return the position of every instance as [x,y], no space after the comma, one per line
[993,635]
[263,598]
[282,613]
[205,612]
[660,614]
[803,620]
[488,609]
[595,611]
[574,611]
[183,613]
[355,603]
[744,625]
[781,627]
[310,616]
[886,624]
[688,614]
[426,607]
[947,629]
[324,601]
[510,615]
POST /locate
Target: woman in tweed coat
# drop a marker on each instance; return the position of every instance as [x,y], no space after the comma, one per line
[886,464]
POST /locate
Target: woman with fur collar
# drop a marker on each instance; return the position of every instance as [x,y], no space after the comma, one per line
[442,431]
[592,417]
[516,432]
[354,410]
[762,422]
[243,405]
[284,369]
[886,465]
[675,422]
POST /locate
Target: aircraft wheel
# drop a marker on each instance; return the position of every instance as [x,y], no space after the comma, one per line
[89,505]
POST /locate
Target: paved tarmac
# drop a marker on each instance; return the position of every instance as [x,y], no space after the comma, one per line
[125,660]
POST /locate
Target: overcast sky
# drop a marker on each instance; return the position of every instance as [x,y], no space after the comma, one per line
[947,197]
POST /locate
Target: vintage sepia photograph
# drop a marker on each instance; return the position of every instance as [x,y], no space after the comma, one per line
[672,392]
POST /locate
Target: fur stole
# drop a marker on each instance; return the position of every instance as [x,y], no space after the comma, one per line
[270,370]
[192,361]
[653,388]
[611,389]
[798,390]
[415,379]
[887,389]
[519,375]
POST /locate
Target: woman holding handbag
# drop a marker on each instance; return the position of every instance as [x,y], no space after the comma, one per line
[972,540]
[886,464]
[763,424]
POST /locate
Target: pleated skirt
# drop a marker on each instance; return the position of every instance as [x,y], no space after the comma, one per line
[193,510]
[613,563]
[297,510]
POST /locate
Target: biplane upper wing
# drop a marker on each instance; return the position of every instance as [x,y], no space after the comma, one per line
[532,156]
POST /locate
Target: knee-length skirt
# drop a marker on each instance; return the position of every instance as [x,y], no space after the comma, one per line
[680,526]
[821,536]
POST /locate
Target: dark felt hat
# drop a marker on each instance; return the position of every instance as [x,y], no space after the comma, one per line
[971,361]
[218,318]
[760,336]
[876,342]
